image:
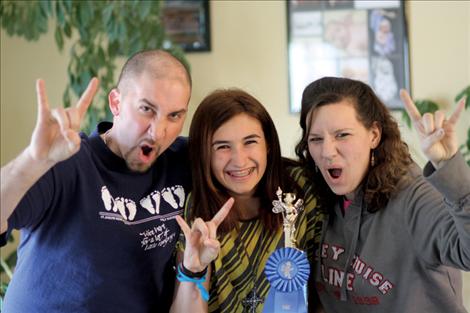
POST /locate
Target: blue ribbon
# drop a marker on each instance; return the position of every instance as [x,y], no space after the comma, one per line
[287,270]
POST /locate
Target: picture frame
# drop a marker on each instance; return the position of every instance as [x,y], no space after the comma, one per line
[187,23]
[363,40]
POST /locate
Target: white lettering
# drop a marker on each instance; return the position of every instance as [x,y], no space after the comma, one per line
[350,281]
[337,251]
[359,266]
[385,287]
[338,278]
[375,279]
[324,250]
[330,275]
[367,272]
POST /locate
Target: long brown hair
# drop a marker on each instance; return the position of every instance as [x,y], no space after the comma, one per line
[208,194]
[392,157]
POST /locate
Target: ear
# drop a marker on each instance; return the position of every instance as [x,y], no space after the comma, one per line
[114,99]
[375,135]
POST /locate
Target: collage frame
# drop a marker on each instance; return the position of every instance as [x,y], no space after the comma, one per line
[363,40]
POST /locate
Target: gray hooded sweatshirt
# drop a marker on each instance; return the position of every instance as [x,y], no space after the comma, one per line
[407,256]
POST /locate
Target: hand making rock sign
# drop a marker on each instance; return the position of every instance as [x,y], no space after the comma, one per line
[54,139]
[56,135]
[202,246]
[438,137]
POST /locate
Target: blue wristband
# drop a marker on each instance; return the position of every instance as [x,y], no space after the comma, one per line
[198,281]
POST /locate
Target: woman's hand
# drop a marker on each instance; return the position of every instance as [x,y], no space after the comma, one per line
[437,134]
[202,246]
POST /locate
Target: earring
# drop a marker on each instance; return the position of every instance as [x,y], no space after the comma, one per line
[372,159]
[316,168]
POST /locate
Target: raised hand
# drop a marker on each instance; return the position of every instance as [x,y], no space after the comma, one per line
[55,137]
[437,134]
[202,246]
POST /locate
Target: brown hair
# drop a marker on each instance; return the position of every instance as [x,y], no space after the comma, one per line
[208,194]
[392,157]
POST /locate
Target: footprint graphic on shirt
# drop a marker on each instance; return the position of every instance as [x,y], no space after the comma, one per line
[121,204]
[131,207]
[178,190]
[146,202]
[108,200]
[169,197]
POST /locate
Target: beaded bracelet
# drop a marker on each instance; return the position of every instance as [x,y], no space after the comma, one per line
[191,274]
[182,277]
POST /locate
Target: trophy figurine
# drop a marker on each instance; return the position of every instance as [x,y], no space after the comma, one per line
[289,211]
[287,269]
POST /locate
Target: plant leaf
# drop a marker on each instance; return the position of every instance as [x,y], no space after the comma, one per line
[67,30]
[59,13]
[106,30]
[59,39]
[464,93]
[144,9]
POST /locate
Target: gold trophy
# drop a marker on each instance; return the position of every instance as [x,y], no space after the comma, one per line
[287,269]
[290,211]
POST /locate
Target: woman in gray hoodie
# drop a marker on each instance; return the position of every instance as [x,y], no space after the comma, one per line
[395,237]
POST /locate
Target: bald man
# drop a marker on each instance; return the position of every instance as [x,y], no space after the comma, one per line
[96,213]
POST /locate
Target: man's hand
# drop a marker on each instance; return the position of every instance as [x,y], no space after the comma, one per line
[202,246]
[55,138]
[56,135]
[437,134]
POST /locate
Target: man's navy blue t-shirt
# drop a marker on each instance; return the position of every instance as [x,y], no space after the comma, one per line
[97,237]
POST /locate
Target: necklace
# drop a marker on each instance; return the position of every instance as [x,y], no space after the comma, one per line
[252,299]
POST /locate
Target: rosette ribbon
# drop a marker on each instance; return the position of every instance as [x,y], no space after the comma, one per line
[287,270]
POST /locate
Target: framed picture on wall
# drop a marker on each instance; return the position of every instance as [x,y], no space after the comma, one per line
[363,40]
[187,23]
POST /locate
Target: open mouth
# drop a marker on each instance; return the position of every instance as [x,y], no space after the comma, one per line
[146,150]
[242,173]
[335,173]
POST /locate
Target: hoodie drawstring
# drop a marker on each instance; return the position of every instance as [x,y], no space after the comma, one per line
[324,227]
[352,248]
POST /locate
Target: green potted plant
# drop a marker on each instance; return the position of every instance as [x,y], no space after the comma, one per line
[465,148]
[7,263]
[100,32]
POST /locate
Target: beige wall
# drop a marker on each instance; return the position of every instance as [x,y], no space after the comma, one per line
[439,34]
[249,50]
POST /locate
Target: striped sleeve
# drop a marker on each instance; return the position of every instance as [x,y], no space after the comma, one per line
[310,222]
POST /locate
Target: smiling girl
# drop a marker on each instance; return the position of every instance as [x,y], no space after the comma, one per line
[235,153]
